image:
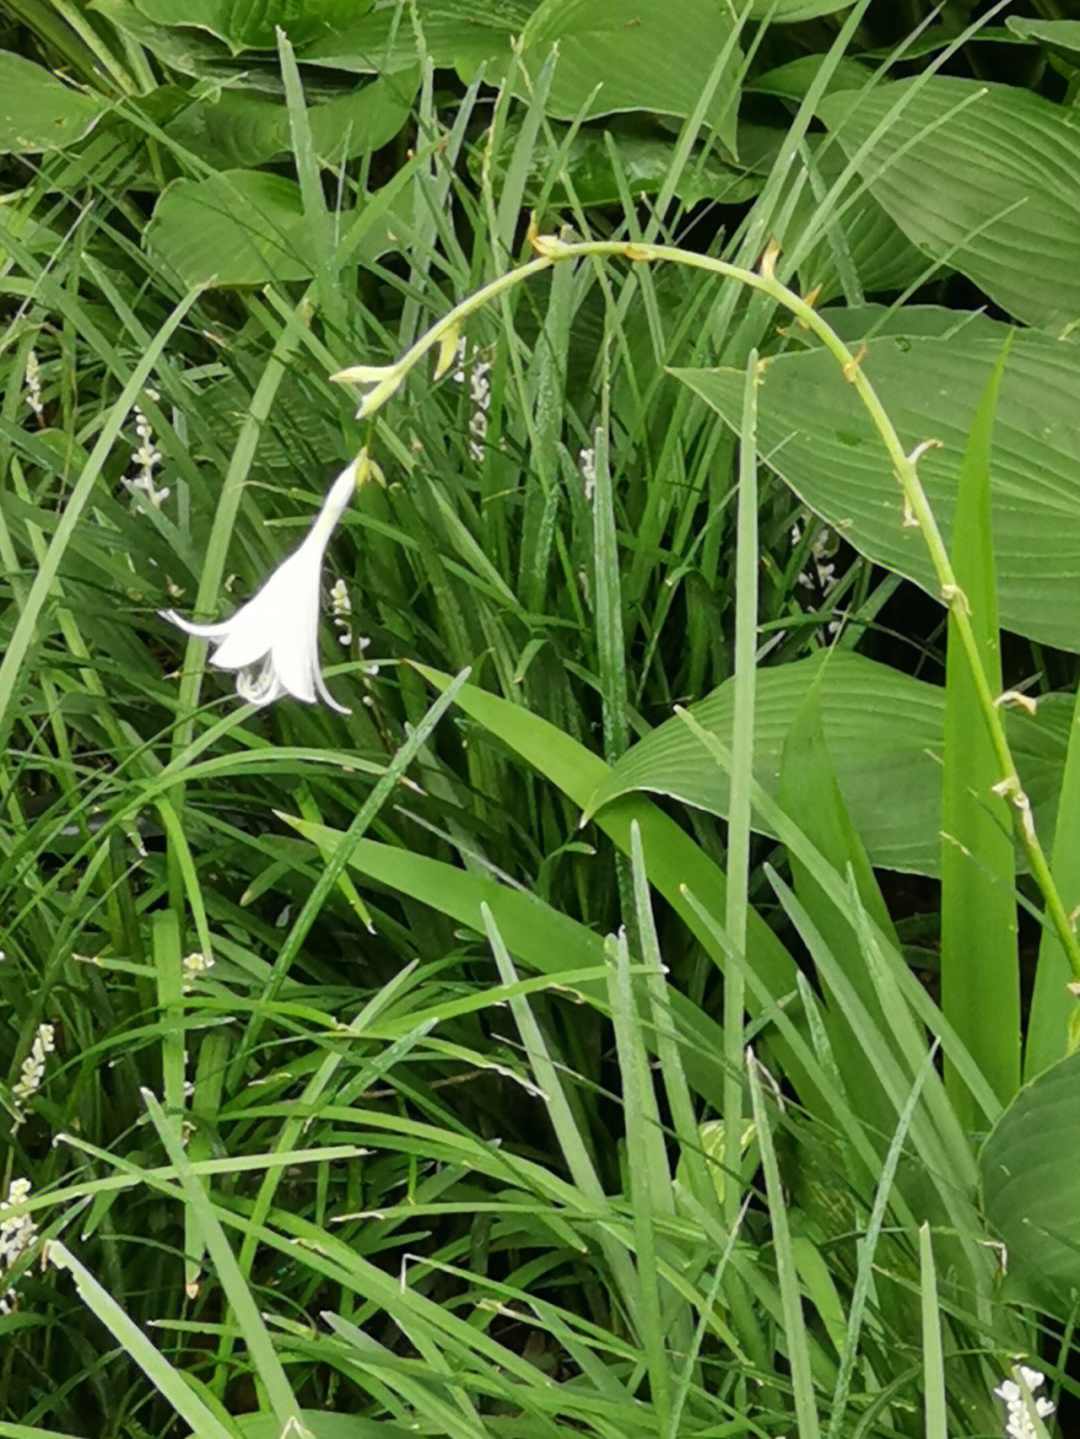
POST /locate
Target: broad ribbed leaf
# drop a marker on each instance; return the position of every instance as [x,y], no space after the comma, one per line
[982,174]
[236,128]
[455,33]
[247,227]
[788,12]
[817,436]
[884,731]
[250,24]
[653,55]
[1031,1181]
[38,112]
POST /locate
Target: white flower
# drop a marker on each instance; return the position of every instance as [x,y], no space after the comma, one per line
[273,640]
[33,1067]
[1018,1405]
[17,1234]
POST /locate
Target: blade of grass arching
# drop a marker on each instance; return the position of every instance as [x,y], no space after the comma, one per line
[1048,1031]
[610,649]
[795,1339]
[264,1357]
[210,1071]
[648,1177]
[561,1115]
[737,901]
[848,901]
[672,859]
[294,1128]
[774,1014]
[25,626]
[680,1103]
[947,1163]
[810,796]
[337,861]
[980,981]
[169,972]
[180,1390]
[311,190]
[933,1360]
[867,1249]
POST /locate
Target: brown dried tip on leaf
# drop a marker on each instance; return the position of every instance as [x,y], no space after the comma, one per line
[1017,700]
[769,257]
[810,299]
[949,593]
[924,447]
[853,363]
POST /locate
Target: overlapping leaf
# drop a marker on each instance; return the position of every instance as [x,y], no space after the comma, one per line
[38,112]
[884,732]
[654,55]
[982,174]
[1031,1192]
[817,436]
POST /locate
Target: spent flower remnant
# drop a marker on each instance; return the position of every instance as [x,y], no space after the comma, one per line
[33,385]
[273,641]
[1020,1403]
[17,1234]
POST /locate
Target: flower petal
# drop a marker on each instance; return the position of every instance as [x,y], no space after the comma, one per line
[201,632]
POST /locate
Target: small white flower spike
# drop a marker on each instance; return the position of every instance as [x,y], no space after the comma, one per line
[273,641]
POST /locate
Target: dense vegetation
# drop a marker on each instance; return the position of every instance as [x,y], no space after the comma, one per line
[646,1012]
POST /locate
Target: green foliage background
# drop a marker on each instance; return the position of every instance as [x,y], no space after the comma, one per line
[607,1017]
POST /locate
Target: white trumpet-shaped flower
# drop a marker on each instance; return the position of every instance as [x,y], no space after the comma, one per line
[273,640]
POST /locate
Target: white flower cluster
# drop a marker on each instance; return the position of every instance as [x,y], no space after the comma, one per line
[824,574]
[17,1234]
[1018,1405]
[341,611]
[147,457]
[195,964]
[33,1066]
[33,385]
[480,394]
[587,463]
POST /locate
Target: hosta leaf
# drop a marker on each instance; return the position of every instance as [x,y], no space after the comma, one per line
[1031,1182]
[653,55]
[982,174]
[788,12]
[456,33]
[244,227]
[38,112]
[644,159]
[884,732]
[882,256]
[250,24]
[1061,37]
[239,129]
[817,436]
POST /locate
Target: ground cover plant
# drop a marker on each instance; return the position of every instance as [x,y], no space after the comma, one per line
[637,999]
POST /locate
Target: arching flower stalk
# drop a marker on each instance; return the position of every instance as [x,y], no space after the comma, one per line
[273,641]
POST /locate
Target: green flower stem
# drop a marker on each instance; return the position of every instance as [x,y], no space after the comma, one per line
[552,250]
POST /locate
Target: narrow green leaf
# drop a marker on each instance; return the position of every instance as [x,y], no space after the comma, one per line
[980,980]
[933,1360]
[169,1382]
